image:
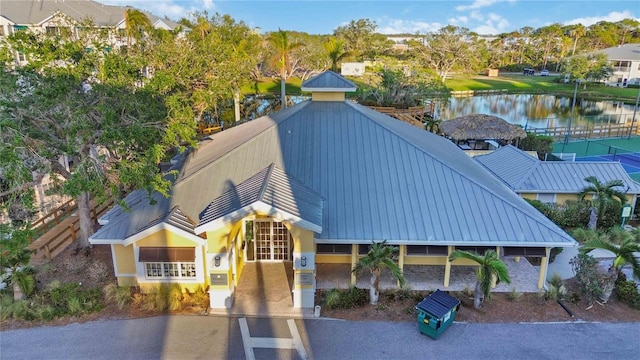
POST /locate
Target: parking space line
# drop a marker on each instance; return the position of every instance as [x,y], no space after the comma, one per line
[297,341]
[246,339]
[293,343]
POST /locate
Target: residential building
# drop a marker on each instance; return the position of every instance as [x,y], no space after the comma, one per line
[68,17]
[625,60]
[316,184]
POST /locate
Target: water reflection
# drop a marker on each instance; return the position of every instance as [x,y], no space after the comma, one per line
[539,111]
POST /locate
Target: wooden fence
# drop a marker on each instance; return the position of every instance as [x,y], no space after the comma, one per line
[54,239]
[590,131]
[413,115]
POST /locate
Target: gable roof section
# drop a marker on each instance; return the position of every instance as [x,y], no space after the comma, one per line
[126,226]
[328,81]
[523,173]
[269,191]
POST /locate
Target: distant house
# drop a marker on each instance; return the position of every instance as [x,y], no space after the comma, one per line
[67,16]
[625,60]
[553,181]
[316,184]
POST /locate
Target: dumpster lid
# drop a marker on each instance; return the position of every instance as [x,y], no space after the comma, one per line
[438,304]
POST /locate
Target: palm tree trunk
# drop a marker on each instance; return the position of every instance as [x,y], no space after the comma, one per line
[477,296]
[236,104]
[283,92]
[374,292]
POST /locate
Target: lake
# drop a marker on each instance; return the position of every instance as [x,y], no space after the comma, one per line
[539,111]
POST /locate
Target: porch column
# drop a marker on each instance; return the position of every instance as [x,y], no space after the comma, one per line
[354,260]
[304,267]
[402,250]
[447,267]
[544,264]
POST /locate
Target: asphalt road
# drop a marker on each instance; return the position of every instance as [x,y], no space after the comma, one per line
[209,337]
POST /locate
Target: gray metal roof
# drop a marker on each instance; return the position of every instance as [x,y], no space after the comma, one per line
[523,173]
[328,81]
[623,52]
[379,178]
[273,188]
[32,12]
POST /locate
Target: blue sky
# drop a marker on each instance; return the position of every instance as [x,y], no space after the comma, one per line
[394,17]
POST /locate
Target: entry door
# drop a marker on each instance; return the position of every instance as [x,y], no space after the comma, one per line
[271,240]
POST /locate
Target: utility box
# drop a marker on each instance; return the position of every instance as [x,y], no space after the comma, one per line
[491,72]
[436,313]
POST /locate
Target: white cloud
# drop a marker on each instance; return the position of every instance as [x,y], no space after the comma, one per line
[611,17]
[477,4]
[477,15]
[161,8]
[397,26]
[494,24]
[458,20]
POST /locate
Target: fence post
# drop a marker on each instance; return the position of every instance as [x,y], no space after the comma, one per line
[72,229]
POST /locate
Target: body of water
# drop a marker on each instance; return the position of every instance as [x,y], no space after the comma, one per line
[539,111]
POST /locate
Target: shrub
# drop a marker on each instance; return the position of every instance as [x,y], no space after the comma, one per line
[114,294]
[627,291]
[346,299]
[589,277]
[556,289]
[514,295]
[162,298]
[98,271]
[198,298]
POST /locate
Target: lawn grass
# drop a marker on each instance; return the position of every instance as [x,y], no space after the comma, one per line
[512,83]
[515,83]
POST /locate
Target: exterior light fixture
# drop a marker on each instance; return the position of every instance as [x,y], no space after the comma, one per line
[303,261]
[217,261]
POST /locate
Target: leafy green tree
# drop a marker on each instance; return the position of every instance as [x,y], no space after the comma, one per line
[601,195]
[379,257]
[623,245]
[450,48]
[14,260]
[547,38]
[361,40]
[491,267]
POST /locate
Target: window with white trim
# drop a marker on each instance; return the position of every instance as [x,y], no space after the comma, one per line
[546,198]
[170,270]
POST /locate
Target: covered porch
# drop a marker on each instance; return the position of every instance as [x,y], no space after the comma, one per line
[524,277]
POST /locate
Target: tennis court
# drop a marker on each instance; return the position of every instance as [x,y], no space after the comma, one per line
[626,151]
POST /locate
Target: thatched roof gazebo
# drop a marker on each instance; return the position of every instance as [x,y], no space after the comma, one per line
[481,127]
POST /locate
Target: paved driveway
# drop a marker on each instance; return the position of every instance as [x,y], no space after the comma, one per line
[213,337]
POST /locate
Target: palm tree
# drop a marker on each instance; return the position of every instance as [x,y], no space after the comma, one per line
[336,51]
[601,195]
[380,256]
[491,267]
[623,245]
[577,32]
[135,22]
[282,58]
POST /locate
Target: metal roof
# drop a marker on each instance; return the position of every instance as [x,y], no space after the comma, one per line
[328,81]
[623,52]
[379,178]
[33,12]
[522,173]
[273,189]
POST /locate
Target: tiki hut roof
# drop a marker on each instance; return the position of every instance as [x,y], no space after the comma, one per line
[481,126]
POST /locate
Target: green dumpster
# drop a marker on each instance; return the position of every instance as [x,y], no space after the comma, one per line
[436,313]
